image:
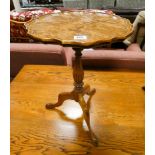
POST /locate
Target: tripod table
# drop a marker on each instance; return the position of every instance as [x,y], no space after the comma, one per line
[79,30]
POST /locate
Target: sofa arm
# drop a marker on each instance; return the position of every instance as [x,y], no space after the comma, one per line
[114,59]
[28,53]
[110,59]
[130,59]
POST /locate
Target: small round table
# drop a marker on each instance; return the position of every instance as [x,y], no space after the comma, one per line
[79,30]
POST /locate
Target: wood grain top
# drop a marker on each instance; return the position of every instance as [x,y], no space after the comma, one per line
[79,28]
[117,113]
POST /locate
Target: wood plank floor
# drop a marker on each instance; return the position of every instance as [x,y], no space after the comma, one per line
[117,113]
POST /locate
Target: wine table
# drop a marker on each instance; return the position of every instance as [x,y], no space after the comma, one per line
[79,30]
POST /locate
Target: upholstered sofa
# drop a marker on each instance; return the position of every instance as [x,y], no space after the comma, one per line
[50,54]
[34,53]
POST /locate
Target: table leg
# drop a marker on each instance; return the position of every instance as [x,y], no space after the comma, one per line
[78,92]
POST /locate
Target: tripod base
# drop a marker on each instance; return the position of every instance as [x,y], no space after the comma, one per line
[78,96]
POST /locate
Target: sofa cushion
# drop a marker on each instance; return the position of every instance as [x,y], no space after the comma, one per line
[44,54]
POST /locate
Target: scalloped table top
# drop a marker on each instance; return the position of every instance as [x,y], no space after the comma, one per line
[79,28]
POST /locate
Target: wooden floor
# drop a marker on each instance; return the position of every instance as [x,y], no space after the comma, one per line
[117,113]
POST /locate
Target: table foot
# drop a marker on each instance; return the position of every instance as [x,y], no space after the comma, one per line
[78,96]
[61,98]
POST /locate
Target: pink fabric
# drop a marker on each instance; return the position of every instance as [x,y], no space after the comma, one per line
[112,54]
[134,47]
[114,59]
[50,54]
[34,47]
[69,53]
[26,53]
[109,58]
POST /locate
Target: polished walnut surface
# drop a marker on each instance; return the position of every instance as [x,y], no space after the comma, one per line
[117,113]
[79,28]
